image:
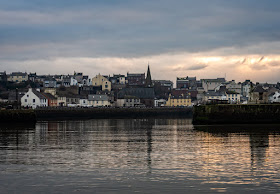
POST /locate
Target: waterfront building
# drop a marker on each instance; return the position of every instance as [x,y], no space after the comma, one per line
[97,100]
[61,101]
[84,102]
[146,95]
[185,92]
[212,95]
[128,101]
[274,97]
[258,95]
[181,100]
[233,97]
[52,101]
[34,99]
[160,102]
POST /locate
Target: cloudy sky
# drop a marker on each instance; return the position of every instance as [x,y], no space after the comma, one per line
[239,39]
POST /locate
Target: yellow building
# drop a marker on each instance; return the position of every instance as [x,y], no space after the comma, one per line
[178,101]
[18,77]
[51,91]
[233,97]
[106,85]
[98,80]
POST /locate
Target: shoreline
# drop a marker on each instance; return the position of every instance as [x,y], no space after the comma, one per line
[201,115]
[92,113]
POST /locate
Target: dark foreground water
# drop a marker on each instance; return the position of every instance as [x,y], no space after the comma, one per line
[142,155]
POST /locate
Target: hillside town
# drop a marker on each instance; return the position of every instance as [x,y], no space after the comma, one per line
[23,90]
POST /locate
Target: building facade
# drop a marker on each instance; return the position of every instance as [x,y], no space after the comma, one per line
[34,99]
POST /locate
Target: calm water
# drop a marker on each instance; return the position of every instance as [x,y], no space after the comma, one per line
[140,155]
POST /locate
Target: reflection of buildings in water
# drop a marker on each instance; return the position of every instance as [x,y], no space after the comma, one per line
[173,122]
[259,143]
[16,134]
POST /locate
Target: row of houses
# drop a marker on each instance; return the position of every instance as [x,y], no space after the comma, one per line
[221,91]
[133,89]
[128,97]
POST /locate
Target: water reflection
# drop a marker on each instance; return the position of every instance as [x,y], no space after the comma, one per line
[154,155]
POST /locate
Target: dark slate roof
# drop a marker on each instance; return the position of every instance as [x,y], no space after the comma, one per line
[214,80]
[18,74]
[50,79]
[135,74]
[213,93]
[96,97]
[186,78]
[231,92]
[49,96]
[38,94]
[259,89]
[142,93]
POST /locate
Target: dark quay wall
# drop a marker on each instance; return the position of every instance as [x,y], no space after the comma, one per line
[236,114]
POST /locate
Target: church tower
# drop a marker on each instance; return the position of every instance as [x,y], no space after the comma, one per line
[148,78]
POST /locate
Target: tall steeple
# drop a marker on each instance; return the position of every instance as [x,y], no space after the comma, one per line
[148,78]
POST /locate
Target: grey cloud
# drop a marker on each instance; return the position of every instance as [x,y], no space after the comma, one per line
[258,66]
[274,64]
[197,67]
[185,68]
[128,29]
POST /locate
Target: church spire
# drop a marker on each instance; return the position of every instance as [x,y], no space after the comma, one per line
[148,78]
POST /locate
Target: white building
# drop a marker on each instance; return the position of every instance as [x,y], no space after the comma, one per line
[160,102]
[274,97]
[84,102]
[34,99]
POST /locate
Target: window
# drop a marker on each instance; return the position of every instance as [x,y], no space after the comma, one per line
[25,100]
[27,95]
[34,100]
[261,96]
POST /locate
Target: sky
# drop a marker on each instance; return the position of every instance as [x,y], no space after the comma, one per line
[236,39]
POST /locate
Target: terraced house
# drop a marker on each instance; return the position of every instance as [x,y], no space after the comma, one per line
[18,77]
